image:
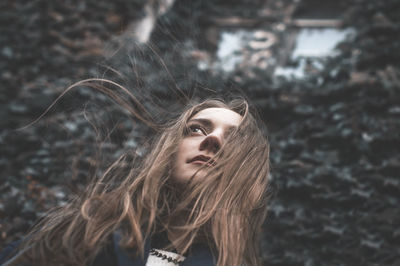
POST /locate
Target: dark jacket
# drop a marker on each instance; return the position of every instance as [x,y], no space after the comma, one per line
[112,254]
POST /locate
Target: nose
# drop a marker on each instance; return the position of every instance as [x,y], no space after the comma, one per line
[212,143]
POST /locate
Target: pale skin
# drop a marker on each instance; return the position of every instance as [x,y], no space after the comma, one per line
[208,130]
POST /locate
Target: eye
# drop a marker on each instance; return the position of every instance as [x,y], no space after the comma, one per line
[197,129]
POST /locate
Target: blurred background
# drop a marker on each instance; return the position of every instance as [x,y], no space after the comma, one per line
[324,76]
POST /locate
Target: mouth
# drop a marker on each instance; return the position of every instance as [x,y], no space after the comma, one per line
[202,159]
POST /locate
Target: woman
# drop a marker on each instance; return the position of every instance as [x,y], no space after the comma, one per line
[198,198]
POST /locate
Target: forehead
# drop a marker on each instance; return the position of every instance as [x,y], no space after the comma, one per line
[219,116]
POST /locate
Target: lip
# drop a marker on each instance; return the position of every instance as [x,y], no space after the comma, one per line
[202,159]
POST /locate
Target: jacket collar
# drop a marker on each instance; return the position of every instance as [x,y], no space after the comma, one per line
[123,259]
[199,254]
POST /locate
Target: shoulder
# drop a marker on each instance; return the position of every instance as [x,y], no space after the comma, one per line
[106,256]
[199,255]
[113,254]
[9,251]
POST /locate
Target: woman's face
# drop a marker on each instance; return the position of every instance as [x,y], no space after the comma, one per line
[207,131]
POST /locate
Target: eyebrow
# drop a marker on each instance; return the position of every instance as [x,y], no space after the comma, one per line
[209,124]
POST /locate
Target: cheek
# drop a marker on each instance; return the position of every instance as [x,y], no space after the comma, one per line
[184,148]
[180,154]
[178,169]
[184,152]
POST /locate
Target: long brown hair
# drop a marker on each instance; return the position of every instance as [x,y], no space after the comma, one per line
[227,207]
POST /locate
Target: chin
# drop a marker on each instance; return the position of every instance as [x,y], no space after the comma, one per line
[185,178]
